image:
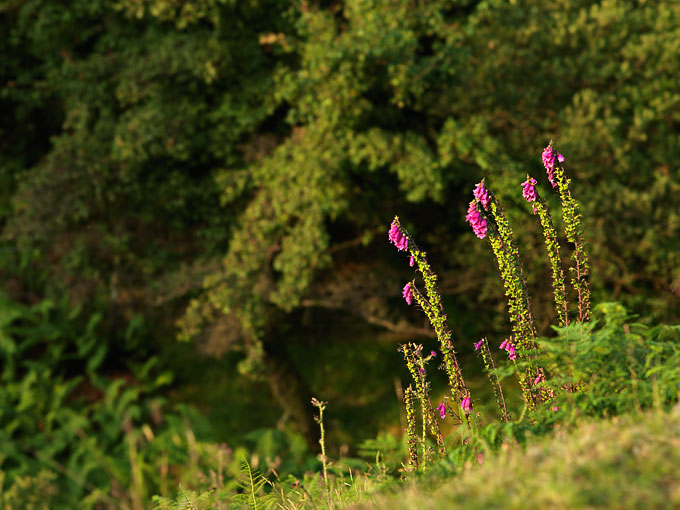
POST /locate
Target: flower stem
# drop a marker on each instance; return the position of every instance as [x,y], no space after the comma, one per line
[574,233]
[490,369]
[322,440]
[553,249]
[416,366]
[409,401]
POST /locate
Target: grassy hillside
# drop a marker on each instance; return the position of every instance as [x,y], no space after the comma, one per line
[622,463]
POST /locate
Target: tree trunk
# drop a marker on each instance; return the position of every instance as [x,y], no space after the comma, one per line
[290,391]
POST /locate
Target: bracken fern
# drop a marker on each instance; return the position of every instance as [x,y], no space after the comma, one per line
[252,484]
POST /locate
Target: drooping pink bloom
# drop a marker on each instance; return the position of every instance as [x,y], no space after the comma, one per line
[393,232]
[412,261]
[422,370]
[433,354]
[408,295]
[397,237]
[549,163]
[476,220]
[479,344]
[482,194]
[529,189]
[480,458]
[466,404]
[538,379]
[442,410]
[510,348]
[555,409]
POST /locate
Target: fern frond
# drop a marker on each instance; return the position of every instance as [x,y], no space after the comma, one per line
[252,484]
[186,500]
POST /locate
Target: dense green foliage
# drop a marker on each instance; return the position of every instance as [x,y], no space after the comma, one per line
[225,171]
[62,423]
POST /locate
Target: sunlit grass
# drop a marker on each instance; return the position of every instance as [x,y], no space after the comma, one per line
[627,462]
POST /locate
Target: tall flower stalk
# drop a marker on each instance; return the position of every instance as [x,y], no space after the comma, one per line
[431,304]
[486,209]
[490,368]
[540,208]
[416,366]
[502,242]
[571,216]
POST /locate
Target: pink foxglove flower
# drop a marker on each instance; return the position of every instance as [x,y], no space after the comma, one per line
[422,370]
[549,163]
[482,194]
[510,348]
[466,404]
[476,220]
[393,232]
[442,410]
[479,344]
[408,295]
[397,238]
[529,189]
[412,261]
[538,379]
[433,354]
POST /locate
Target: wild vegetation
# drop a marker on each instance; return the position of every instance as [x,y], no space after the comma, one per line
[599,365]
[194,198]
